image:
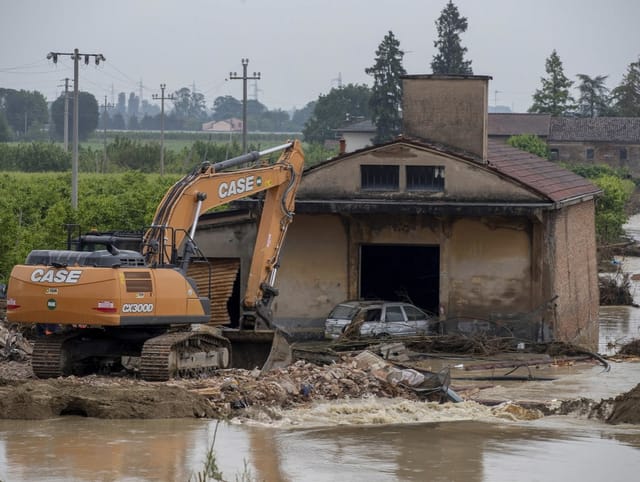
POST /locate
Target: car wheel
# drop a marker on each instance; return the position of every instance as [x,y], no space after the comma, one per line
[383,335]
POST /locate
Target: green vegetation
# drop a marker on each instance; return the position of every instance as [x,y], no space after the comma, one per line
[348,103]
[450,57]
[35,207]
[386,96]
[140,153]
[530,143]
[119,195]
[617,189]
[553,97]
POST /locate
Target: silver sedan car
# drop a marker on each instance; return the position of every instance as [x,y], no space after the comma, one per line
[379,319]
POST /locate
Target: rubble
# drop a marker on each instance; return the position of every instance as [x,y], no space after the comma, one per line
[390,372]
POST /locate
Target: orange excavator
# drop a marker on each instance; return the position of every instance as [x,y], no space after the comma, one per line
[112,304]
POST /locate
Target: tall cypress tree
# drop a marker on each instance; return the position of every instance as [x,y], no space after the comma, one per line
[386,95]
[553,97]
[450,56]
[627,94]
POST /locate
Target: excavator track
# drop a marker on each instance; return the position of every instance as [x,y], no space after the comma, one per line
[49,359]
[183,354]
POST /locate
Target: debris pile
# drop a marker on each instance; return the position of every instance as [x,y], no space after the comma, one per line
[13,346]
[615,290]
[298,384]
[631,348]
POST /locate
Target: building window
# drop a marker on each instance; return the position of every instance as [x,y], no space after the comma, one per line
[425,178]
[590,154]
[379,178]
[554,154]
[623,153]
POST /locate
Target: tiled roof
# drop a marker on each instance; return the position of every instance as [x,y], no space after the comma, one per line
[606,129]
[535,173]
[362,126]
[517,124]
[545,177]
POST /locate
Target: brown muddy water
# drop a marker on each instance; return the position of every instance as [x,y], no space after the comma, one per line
[371,440]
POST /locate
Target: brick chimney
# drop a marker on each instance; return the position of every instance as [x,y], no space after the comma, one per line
[447,109]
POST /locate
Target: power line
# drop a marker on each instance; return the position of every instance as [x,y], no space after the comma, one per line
[244,78]
[162,98]
[75,56]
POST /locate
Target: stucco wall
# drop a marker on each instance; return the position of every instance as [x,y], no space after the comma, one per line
[572,260]
[489,268]
[448,111]
[464,181]
[313,273]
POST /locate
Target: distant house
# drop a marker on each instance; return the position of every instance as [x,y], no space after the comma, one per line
[614,141]
[502,126]
[357,136]
[227,125]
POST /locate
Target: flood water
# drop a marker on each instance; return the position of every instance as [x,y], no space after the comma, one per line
[372,440]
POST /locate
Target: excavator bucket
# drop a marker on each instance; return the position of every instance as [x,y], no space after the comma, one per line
[257,348]
[280,354]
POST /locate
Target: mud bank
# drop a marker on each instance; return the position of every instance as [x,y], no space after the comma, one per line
[240,393]
[224,395]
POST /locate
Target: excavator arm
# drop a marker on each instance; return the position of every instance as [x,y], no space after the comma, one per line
[207,187]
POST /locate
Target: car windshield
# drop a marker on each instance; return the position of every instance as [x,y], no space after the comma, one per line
[343,312]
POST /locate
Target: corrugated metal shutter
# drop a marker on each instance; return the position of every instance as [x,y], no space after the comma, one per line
[223,275]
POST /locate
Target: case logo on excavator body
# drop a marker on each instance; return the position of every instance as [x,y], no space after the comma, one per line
[55,275]
[238,186]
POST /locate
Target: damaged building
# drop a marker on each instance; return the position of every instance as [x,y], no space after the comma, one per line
[486,237]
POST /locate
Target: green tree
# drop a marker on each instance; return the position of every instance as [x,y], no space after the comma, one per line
[88,115]
[23,110]
[626,96]
[386,95]
[553,97]
[450,56]
[334,108]
[617,189]
[301,116]
[610,207]
[226,107]
[530,143]
[594,96]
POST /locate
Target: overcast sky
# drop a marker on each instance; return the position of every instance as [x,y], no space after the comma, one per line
[302,47]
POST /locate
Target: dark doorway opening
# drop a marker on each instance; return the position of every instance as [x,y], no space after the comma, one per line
[401,273]
[233,304]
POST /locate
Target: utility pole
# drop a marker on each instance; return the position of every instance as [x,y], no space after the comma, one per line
[105,106]
[234,76]
[74,160]
[162,98]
